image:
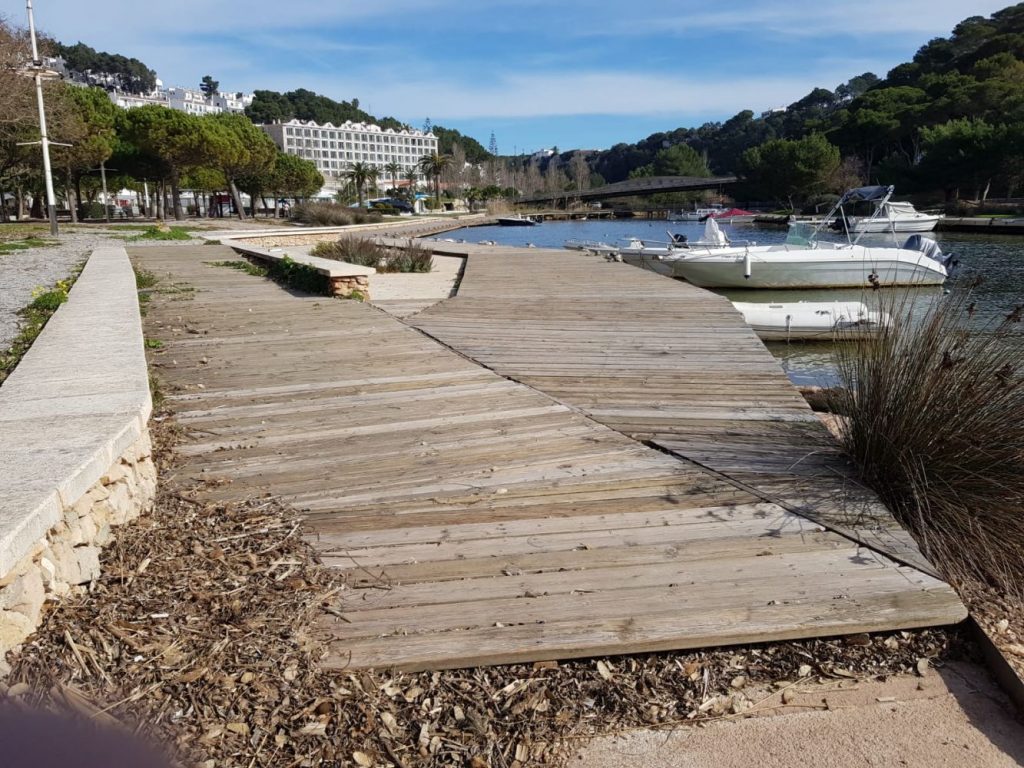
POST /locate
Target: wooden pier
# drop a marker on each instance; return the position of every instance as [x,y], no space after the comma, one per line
[569,458]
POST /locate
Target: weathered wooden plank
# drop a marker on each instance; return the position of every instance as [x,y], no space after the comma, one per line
[446,494]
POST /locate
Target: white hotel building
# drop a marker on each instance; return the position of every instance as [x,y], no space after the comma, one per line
[335,148]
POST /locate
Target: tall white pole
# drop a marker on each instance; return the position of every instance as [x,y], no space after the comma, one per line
[37,64]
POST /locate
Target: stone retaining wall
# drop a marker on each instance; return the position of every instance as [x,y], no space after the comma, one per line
[75,457]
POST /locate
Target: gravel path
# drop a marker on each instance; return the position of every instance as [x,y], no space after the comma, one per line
[21,272]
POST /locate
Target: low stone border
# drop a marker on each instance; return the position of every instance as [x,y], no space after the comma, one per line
[75,456]
[343,279]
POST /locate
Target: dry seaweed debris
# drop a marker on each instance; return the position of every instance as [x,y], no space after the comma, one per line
[200,635]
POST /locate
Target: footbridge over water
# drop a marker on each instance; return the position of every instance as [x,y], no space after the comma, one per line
[648,185]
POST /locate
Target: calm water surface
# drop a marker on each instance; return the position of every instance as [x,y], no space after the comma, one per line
[998,259]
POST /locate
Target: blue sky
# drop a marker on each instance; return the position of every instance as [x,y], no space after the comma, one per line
[571,74]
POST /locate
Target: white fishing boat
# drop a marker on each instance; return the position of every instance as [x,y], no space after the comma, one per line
[813,320]
[894,217]
[660,257]
[804,261]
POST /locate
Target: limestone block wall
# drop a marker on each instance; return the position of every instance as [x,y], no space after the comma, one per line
[75,454]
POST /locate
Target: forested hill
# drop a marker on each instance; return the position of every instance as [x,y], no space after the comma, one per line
[102,68]
[967,83]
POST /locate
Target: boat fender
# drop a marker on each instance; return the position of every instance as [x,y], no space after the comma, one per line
[746,265]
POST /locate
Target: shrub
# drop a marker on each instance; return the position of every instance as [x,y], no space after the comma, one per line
[935,424]
[172,233]
[367,253]
[299,276]
[331,215]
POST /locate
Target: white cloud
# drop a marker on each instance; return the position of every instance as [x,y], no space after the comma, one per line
[554,94]
[805,18]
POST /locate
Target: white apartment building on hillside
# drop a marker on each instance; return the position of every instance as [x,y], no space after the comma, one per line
[190,100]
[334,148]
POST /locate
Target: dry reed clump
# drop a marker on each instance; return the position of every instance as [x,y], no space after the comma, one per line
[934,420]
[367,253]
[331,215]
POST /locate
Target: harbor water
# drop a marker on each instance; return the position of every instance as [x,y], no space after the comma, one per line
[998,260]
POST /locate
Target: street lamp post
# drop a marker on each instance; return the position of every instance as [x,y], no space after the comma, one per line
[37,71]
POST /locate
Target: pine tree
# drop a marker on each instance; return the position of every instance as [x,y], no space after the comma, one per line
[493,146]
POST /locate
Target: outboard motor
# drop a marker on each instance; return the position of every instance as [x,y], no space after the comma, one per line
[929,248]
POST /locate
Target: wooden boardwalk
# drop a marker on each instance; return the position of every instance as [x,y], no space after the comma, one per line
[481,520]
[663,362]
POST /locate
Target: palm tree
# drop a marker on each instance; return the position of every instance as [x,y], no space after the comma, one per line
[432,166]
[358,174]
[393,169]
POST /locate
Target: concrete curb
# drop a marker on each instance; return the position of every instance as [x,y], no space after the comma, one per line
[77,401]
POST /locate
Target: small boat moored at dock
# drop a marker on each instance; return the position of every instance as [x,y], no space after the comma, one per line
[812,320]
[894,217]
[805,261]
[518,221]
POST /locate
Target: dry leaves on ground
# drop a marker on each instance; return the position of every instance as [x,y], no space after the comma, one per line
[200,635]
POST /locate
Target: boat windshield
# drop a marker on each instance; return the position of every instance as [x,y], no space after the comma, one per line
[800,234]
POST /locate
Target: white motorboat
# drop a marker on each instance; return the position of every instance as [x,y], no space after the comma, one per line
[804,261]
[662,257]
[697,214]
[813,320]
[894,217]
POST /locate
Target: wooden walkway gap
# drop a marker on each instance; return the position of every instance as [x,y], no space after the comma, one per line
[508,509]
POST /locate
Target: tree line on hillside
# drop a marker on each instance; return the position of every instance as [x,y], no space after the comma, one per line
[951,120]
[113,69]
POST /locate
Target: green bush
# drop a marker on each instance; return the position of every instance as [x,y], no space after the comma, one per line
[299,276]
[331,215]
[367,253]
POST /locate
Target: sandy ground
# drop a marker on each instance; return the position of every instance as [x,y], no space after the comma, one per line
[954,718]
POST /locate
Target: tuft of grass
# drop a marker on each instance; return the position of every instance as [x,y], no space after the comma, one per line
[154,344]
[367,253]
[13,246]
[33,319]
[934,421]
[331,215]
[144,279]
[172,233]
[242,266]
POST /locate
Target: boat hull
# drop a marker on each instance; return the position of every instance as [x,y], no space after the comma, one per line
[516,222]
[908,225]
[812,321]
[812,268]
